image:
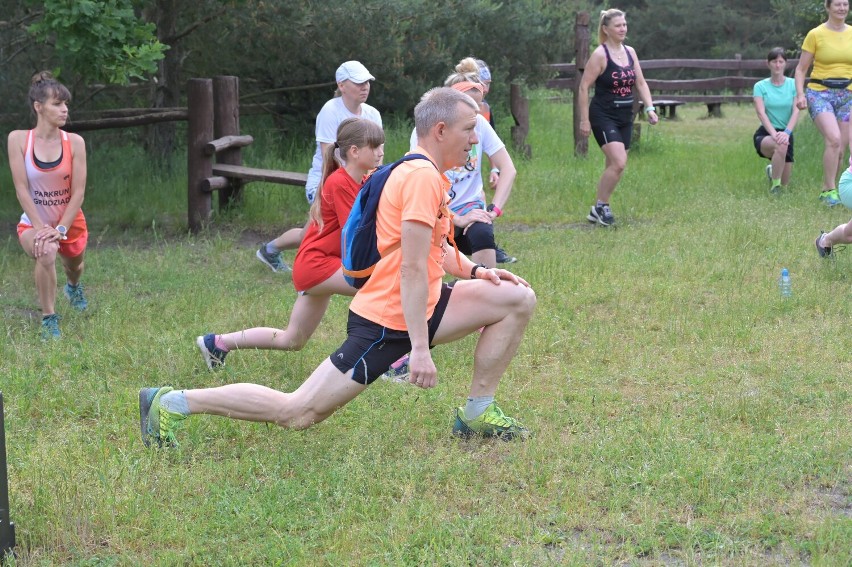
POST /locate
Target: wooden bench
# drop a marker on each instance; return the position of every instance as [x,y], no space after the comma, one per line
[665,108]
[223,171]
[714,102]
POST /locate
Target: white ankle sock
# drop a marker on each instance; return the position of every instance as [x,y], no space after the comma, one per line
[477,406]
[175,401]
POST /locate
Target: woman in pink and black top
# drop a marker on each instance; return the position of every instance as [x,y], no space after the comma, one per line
[49,172]
[614,69]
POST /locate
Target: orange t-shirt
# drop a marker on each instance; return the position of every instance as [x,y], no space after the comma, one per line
[415,191]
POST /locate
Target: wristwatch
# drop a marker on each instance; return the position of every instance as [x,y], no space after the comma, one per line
[63,231]
[492,208]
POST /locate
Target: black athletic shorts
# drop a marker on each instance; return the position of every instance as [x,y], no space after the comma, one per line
[370,348]
[611,124]
[761,133]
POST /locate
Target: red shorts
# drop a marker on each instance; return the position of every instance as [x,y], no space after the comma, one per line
[67,249]
[311,268]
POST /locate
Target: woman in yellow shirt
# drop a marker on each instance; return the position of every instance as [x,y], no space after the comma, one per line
[828,97]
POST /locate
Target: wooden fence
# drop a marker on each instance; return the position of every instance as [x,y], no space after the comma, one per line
[714,91]
[214,142]
[214,161]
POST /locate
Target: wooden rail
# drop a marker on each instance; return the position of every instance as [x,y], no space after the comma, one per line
[126,121]
[710,84]
[227,143]
[712,64]
[728,88]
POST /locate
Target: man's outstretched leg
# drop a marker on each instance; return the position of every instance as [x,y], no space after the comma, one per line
[325,391]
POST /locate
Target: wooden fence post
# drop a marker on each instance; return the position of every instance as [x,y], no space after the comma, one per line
[581,51]
[226,122]
[199,164]
[716,110]
[521,113]
[7,527]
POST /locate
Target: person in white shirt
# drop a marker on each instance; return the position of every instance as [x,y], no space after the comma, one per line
[350,101]
[474,219]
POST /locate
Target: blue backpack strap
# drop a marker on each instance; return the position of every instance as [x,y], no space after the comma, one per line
[359,243]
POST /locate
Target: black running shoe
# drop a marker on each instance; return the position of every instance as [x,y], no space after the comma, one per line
[503,257]
[602,215]
[823,251]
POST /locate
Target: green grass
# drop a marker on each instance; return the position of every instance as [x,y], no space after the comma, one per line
[683,412]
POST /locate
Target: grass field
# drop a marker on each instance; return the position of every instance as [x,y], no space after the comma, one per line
[684,413]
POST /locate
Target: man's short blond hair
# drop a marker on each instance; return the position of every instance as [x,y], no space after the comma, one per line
[440,104]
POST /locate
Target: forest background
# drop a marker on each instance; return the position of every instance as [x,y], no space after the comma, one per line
[140,53]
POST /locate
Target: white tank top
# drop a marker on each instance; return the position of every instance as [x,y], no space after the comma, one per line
[50,189]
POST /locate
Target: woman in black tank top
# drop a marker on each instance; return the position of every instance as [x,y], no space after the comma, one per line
[614,70]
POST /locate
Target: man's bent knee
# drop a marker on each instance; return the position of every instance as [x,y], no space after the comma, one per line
[521,299]
[528,300]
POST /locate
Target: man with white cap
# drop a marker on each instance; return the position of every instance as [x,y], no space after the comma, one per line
[353,88]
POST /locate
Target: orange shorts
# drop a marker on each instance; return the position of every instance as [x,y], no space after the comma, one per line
[67,249]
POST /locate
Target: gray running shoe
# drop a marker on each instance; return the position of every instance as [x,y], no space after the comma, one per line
[50,327]
[274,261]
[74,293]
[823,251]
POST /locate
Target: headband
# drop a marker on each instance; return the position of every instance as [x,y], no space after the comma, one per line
[465,86]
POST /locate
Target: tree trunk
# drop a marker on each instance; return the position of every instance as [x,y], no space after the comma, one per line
[161,137]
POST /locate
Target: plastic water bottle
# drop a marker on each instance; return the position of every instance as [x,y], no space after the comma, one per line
[784,284]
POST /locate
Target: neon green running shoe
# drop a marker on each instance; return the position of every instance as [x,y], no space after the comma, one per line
[492,423]
[156,422]
[830,198]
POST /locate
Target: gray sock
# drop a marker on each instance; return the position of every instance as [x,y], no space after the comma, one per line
[271,249]
[175,401]
[477,406]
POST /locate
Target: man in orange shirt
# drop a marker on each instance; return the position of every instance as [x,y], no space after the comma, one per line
[403,307]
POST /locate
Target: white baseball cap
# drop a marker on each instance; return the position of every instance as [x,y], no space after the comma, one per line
[353,71]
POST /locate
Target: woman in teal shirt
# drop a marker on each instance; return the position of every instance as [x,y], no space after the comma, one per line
[775,103]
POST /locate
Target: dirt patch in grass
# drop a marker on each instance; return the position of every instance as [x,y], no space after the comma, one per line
[836,499]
